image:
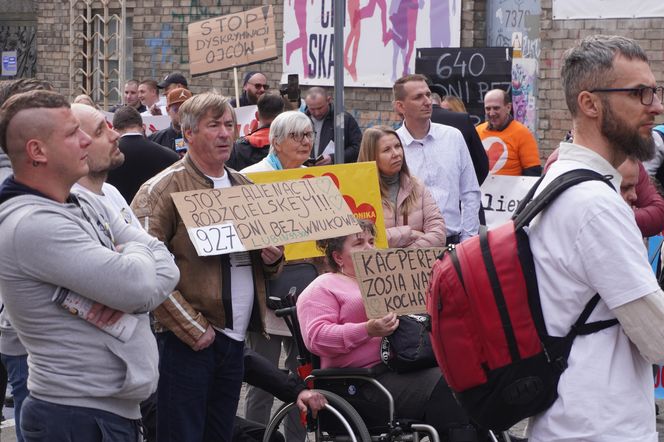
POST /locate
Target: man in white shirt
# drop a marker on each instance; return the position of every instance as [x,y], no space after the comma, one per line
[438,155]
[587,242]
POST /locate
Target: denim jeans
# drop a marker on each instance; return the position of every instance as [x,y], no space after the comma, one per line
[17,371]
[48,422]
[198,390]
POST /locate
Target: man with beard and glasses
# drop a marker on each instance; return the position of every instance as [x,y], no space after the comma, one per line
[587,242]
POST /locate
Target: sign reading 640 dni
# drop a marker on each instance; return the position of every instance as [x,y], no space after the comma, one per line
[467,73]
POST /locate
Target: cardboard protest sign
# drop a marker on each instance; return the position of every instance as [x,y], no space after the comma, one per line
[357,182]
[501,195]
[394,280]
[467,73]
[255,216]
[232,40]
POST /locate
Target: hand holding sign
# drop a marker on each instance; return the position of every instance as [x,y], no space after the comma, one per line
[394,281]
[257,216]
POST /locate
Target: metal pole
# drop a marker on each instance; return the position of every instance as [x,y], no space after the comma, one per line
[339,18]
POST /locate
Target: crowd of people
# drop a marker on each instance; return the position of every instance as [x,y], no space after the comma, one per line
[113,327]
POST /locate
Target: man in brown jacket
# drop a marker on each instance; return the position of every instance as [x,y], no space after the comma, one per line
[202,325]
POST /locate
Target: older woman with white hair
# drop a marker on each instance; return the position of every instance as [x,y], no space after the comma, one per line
[291,139]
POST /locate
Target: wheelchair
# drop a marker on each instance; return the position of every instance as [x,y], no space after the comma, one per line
[348,417]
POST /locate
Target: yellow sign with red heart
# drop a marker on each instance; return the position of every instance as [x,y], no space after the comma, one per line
[357,182]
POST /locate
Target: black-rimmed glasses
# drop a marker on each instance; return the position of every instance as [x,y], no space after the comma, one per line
[299,137]
[646,93]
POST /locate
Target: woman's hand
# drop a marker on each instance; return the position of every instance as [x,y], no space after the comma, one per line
[384,326]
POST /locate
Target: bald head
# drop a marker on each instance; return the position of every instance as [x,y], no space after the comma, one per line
[318,104]
[497,108]
[629,170]
[103,153]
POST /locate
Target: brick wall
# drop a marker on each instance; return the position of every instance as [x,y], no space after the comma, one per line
[160,46]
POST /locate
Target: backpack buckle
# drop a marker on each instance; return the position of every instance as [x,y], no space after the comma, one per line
[560,364]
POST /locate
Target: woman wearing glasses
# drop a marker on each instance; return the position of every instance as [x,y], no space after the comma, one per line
[291,138]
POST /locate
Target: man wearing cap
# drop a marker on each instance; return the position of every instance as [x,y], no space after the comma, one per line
[254,85]
[171,137]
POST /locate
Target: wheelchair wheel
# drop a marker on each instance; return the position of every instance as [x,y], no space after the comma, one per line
[338,409]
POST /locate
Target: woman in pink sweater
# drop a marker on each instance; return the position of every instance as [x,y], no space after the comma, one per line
[335,327]
[412,217]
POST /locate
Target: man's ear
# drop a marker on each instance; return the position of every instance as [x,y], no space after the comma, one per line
[36,151]
[398,106]
[589,104]
[509,108]
[187,133]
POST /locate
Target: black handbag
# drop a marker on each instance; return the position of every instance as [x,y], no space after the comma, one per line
[292,279]
[409,347]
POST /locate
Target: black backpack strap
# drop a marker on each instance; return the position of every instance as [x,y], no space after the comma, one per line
[581,327]
[551,192]
[527,198]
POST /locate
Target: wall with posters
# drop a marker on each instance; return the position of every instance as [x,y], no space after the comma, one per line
[380,38]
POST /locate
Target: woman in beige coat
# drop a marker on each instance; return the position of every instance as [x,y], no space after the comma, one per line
[412,217]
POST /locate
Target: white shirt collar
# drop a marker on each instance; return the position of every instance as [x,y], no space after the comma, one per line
[128,134]
[581,154]
[408,138]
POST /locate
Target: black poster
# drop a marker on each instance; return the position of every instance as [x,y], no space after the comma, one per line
[467,73]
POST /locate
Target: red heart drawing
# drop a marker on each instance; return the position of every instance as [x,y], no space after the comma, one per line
[494,153]
[363,211]
[335,180]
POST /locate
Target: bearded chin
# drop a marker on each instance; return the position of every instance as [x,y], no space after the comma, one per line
[627,140]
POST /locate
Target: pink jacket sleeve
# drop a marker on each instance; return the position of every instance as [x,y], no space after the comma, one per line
[323,331]
[649,205]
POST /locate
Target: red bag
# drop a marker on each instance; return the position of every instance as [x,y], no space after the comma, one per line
[488,331]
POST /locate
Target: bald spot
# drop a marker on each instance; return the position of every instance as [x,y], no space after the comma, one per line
[28,124]
[497,93]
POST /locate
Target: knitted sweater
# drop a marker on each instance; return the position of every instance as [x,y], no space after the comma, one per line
[333,322]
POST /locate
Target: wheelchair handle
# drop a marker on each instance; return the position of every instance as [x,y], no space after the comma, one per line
[282,312]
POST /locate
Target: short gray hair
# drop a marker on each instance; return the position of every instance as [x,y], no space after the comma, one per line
[589,64]
[197,107]
[286,123]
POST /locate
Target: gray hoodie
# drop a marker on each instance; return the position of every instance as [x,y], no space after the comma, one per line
[9,343]
[47,245]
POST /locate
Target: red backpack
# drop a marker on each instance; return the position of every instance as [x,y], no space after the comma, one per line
[488,331]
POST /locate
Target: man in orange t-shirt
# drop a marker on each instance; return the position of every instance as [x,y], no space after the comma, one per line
[511,148]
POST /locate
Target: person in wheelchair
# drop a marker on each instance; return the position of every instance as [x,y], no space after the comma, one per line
[335,327]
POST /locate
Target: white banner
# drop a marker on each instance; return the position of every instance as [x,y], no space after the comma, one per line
[571,9]
[380,38]
[501,195]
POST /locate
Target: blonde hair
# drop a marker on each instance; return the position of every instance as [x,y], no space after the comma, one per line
[455,103]
[369,152]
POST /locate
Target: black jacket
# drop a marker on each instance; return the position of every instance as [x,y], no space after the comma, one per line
[261,373]
[250,149]
[166,137]
[244,100]
[352,135]
[143,160]
[463,122]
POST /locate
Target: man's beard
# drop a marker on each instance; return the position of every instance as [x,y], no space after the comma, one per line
[625,139]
